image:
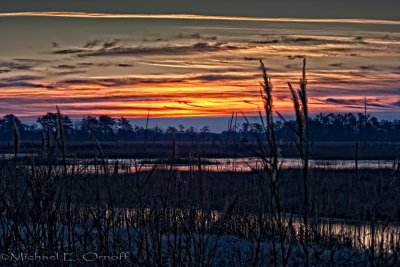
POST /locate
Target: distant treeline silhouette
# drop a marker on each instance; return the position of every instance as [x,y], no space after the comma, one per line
[323,127]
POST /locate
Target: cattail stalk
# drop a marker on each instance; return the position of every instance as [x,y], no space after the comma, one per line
[300,104]
[271,161]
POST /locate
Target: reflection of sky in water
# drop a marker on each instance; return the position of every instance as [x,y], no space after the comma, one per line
[245,165]
[123,67]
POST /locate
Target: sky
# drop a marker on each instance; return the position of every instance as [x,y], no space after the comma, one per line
[135,57]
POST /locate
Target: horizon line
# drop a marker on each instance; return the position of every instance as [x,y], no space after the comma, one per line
[196,17]
[239,114]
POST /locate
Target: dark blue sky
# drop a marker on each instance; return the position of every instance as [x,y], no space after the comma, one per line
[372,9]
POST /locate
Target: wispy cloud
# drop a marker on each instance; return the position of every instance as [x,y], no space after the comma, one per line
[16,65]
[22,84]
[138,51]
[195,17]
[357,103]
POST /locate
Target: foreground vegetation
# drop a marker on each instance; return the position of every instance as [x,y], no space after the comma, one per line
[166,217]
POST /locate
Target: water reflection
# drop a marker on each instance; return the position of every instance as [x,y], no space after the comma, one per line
[355,234]
[243,164]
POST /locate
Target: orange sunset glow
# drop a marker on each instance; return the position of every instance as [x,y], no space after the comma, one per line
[176,66]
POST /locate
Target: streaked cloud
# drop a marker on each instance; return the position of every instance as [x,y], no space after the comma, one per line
[139,51]
[195,17]
[358,103]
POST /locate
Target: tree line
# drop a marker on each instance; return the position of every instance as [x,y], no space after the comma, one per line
[323,127]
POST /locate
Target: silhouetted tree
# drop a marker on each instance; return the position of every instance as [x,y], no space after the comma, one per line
[90,126]
[347,127]
[124,127]
[107,126]
[191,132]
[171,131]
[204,132]
[7,126]
[48,123]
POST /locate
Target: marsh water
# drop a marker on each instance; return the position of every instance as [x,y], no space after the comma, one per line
[360,234]
[242,164]
[356,234]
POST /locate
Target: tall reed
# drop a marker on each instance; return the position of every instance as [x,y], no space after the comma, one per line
[300,104]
